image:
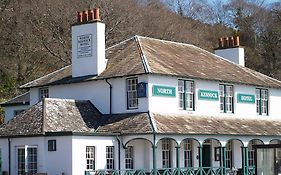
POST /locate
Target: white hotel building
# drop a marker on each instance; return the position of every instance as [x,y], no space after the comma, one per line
[146,106]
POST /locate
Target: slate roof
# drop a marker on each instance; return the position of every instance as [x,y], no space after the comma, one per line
[192,124]
[22,99]
[142,55]
[127,123]
[80,116]
[53,115]
[72,116]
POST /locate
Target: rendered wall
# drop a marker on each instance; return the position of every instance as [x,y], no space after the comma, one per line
[59,161]
[98,93]
[79,152]
[159,104]
[10,111]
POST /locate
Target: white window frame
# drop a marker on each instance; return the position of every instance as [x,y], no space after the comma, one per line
[262,107]
[90,157]
[166,153]
[229,156]
[187,153]
[251,153]
[186,95]
[226,98]
[129,157]
[132,96]
[27,160]
[43,93]
[109,157]
[17,112]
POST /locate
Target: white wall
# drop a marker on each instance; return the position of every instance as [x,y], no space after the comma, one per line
[31,141]
[159,104]
[79,152]
[5,154]
[10,111]
[98,93]
[59,161]
[94,61]
[235,55]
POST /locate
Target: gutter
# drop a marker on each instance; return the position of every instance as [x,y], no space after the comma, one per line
[110,96]
[119,152]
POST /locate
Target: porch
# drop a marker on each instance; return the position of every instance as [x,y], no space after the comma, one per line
[178,155]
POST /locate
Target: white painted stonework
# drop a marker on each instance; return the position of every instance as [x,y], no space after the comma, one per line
[235,55]
[89,59]
[10,111]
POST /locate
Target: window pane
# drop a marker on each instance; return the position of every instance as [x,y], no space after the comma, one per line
[132,99]
[110,157]
[32,160]
[129,158]
[166,152]
[90,157]
[186,94]
[187,153]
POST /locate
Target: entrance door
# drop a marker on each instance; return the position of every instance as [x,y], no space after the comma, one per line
[206,156]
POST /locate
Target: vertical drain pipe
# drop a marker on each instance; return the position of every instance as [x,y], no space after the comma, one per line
[110,96]
[119,153]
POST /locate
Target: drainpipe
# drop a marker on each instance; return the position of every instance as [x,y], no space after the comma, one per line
[9,147]
[154,147]
[110,96]
[178,159]
[200,159]
[119,153]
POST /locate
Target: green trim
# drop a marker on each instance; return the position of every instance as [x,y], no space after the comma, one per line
[246,98]
[178,156]
[200,159]
[208,95]
[154,147]
[164,91]
[224,159]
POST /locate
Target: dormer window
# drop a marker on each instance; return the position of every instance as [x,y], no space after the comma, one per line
[226,98]
[132,96]
[43,93]
[262,101]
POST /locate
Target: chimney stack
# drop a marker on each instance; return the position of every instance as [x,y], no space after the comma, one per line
[229,48]
[88,44]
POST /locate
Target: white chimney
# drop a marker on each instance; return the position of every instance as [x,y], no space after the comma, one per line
[88,44]
[229,48]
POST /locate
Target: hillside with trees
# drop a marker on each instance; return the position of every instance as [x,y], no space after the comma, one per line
[36,35]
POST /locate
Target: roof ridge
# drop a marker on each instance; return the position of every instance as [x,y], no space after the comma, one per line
[15,97]
[44,111]
[153,122]
[124,41]
[142,55]
[23,86]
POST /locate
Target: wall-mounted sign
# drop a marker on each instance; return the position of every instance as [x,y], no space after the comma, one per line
[246,98]
[208,95]
[141,89]
[84,46]
[163,91]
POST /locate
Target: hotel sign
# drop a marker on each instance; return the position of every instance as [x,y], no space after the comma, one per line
[208,95]
[163,91]
[84,46]
[246,98]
